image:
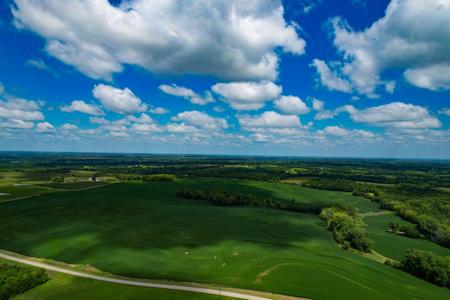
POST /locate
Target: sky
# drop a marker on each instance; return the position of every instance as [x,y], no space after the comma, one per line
[353,78]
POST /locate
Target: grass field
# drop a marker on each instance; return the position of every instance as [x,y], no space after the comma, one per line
[68,288]
[395,246]
[143,230]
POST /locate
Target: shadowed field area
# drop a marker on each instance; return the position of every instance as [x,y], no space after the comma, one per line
[144,230]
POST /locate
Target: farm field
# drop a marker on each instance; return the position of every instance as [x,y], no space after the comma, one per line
[143,230]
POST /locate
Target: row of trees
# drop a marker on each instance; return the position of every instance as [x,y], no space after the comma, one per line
[409,231]
[418,203]
[428,266]
[15,280]
[151,177]
[218,198]
[222,198]
[347,228]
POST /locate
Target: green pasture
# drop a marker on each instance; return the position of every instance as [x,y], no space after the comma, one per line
[392,245]
[144,230]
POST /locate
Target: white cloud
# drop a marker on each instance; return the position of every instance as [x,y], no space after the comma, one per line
[69,126]
[232,39]
[187,94]
[158,111]
[20,109]
[180,128]
[117,100]
[269,120]
[143,119]
[201,120]
[145,128]
[291,105]
[339,131]
[2,88]
[81,106]
[247,95]
[395,115]
[119,134]
[413,37]
[16,124]
[435,77]
[317,104]
[329,78]
[44,127]
[325,114]
[445,111]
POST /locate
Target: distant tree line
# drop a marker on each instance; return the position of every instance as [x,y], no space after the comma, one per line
[15,280]
[347,228]
[223,198]
[408,231]
[418,203]
[218,198]
[151,177]
[428,266]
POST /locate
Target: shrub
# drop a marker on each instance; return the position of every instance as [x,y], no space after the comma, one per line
[347,229]
[428,266]
[15,280]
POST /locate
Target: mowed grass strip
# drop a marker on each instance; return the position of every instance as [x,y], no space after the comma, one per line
[144,230]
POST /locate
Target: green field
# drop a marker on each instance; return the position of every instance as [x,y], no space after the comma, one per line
[67,287]
[143,230]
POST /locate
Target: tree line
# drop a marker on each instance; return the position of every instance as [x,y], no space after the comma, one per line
[15,280]
[428,266]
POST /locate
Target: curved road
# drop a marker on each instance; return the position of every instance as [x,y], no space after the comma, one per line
[134,283]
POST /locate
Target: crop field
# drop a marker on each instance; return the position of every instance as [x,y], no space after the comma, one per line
[143,230]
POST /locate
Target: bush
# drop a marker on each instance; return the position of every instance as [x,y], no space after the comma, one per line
[15,280]
[347,229]
[428,266]
[410,231]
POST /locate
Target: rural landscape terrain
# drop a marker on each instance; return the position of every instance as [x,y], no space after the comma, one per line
[265,227]
[224,149]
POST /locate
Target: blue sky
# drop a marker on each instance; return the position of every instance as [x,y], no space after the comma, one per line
[304,78]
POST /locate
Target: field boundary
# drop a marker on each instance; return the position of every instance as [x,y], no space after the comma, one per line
[203,289]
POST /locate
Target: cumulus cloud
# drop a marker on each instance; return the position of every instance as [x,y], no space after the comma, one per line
[83,107]
[145,128]
[330,78]
[20,109]
[317,104]
[187,94]
[394,115]
[16,124]
[247,95]
[413,37]
[44,127]
[271,122]
[339,131]
[142,119]
[117,100]
[158,111]
[230,39]
[180,128]
[445,111]
[291,105]
[69,126]
[201,120]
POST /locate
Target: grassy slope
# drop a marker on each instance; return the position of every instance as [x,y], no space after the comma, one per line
[142,230]
[394,246]
[68,288]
